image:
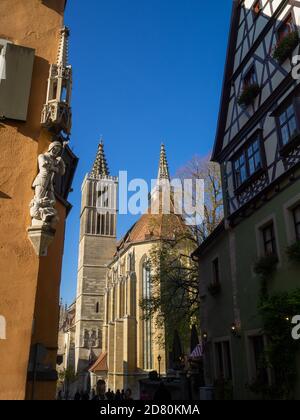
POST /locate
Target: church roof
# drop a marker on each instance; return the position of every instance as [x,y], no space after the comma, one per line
[152,226]
[100,167]
[100,365]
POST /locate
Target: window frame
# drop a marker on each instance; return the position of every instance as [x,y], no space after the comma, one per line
[291,101]
[252,366]
[227,368]
[216,271]
[248,75]
[282,24]
[243,151]
[272,241]
[255,13]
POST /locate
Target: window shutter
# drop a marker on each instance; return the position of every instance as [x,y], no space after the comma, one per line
[15,88]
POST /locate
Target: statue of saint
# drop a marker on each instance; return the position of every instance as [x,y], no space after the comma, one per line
[42,208]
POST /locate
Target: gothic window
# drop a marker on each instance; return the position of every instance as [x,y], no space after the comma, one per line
[285,28]
[269,240]
[248,162]
[112,225]
[296,216]
[148,354]
[107,224]
[287,123]
[86,337]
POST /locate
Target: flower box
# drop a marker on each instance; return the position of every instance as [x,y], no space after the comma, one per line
[285,47]
[249,94]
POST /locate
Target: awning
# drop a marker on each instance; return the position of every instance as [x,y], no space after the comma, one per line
[100,365]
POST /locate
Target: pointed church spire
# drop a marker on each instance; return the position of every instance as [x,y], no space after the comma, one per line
[100,168]
[163,171]
[62,56]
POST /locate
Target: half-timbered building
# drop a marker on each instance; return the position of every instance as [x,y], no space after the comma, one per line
[258,148]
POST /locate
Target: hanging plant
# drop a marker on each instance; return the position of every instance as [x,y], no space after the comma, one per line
[277,312]
[249,94]
[214,288]
[293,252]
[285,47]
[266,266]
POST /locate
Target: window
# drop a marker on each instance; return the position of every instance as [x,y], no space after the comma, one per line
[269,240]
[97,307]
[259,372]
[148,356]
[250,78]
[287,124]
[256,9]
[296,216]
[223,360]
[248,162]
[285,28]
[216,271]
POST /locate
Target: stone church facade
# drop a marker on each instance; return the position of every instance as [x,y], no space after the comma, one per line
[112,340]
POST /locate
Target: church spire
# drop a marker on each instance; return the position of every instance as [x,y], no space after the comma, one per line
[62,56]
[163,171]
[100,168]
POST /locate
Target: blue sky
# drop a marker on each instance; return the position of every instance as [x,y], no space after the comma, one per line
[145,71]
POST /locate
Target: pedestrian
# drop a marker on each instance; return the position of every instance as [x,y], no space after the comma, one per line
[118,395]
[128,395]
[77,396]
[100,391]
[123,395]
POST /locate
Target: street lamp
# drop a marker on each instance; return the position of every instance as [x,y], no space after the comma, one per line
[159,361]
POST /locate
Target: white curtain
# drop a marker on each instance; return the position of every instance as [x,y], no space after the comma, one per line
[2,65]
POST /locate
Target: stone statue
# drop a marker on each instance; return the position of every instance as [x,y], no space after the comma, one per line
[42,208]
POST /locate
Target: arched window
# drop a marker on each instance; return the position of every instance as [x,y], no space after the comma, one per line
[148,352]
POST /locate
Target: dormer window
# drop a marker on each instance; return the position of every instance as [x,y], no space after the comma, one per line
[256,9]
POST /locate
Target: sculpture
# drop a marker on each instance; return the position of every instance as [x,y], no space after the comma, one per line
[42,208]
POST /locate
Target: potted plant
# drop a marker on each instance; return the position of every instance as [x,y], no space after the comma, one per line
[285,47]
[293,252]
[248,95]
[265,267]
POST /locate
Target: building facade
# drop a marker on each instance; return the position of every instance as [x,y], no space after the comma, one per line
[97,247]
[257,146]
[33,208]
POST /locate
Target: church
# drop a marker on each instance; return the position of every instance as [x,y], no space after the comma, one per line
[111,340]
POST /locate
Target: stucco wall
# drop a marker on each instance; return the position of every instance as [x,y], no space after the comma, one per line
[33,24]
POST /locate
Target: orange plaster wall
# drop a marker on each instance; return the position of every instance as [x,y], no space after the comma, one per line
[34,24]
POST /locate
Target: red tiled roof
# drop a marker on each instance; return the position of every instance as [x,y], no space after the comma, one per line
[100,365]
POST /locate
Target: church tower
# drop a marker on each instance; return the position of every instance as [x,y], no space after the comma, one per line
[97,247]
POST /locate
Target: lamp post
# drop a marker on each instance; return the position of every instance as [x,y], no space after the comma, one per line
[159,361]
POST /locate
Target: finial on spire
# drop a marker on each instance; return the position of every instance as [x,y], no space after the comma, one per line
[100,168]
[163,171]
[62,57]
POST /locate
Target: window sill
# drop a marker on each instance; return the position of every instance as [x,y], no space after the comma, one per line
[290,146]
[239,190]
